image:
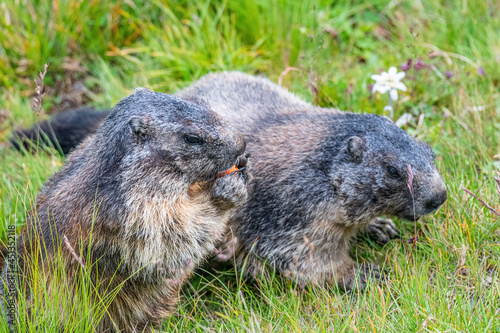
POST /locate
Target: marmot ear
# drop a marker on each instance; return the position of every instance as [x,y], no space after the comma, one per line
[140,126]
[356,146]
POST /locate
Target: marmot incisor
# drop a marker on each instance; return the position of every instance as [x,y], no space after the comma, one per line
[142,195]
[319,177]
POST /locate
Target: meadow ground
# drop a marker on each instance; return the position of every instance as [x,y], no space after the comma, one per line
[98,52]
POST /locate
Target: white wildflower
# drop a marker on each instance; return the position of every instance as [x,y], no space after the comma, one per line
[403,120]
[389,81]
[388,108]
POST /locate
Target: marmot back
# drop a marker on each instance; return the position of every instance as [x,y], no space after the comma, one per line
[143,196]
[244,99]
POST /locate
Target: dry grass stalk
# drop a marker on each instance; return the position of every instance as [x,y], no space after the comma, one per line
[73,253]
[36,103]
[482,202]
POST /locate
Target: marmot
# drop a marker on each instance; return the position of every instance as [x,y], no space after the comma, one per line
[143,197]
[319,177]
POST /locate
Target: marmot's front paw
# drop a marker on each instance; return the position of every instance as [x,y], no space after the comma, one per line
[382,230]
[230,186]
[230,190]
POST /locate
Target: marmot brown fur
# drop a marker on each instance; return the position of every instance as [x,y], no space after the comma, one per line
[143,197]
[320,176]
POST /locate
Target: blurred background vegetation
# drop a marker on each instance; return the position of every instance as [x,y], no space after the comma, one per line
[326,52]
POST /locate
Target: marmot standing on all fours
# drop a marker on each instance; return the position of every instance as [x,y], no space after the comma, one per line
[319,177]
[144,196]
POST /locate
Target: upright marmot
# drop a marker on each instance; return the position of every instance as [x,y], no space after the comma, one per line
[142,195]
[319,177]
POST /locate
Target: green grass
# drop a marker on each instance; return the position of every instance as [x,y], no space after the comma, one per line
[448,283]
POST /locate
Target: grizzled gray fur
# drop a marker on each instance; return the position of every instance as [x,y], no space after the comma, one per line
[143,197]
[320,176]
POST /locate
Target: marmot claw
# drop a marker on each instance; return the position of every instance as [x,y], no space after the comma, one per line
[382,230]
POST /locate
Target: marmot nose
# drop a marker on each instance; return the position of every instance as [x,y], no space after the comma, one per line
[436,201]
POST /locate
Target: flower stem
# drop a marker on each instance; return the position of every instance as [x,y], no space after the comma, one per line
[391,104]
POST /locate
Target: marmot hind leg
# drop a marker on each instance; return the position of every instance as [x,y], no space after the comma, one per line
[351,276]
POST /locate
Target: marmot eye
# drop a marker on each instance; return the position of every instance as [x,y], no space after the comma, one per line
[192,139]
[393,172]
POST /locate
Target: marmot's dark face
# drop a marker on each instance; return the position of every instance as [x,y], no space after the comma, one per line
[380,163]
[413,172]
[186,138]
[400,173]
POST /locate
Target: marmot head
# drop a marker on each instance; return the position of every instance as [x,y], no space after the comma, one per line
[386,169]
[158,135]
